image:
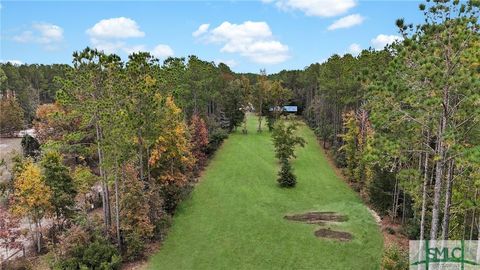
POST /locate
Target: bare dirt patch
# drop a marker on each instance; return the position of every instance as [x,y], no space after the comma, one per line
[317,217]
[323,218]
[337,235]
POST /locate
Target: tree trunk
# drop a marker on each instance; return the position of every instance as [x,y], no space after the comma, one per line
[439,171]
[117,209]
[140,153]
[473,217]
[260,117]
[148,166]
[424,197]
[39,236]
[403,207]
[100,169]
[395,199]
[448,200]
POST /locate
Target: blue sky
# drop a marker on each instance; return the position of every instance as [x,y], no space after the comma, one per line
[247,35]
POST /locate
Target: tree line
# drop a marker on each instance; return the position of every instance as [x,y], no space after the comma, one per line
[404,122]
[129,138]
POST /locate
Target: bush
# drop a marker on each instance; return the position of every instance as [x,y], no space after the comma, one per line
[412,229]
[395,258]
[162,225]
[79,249]
[390,230]
[339,158]
[379,191]
[216,137]
[270,122]
[172,194]
[17,264]
[285,177]
[101,255]
[134,245]
[30,146]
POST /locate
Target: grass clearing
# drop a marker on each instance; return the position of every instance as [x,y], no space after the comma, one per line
[235,216]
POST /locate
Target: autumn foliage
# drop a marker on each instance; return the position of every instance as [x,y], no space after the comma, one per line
[9,231]
[199,141]
[171,158]
[135,225]
[11,116]
[53,122]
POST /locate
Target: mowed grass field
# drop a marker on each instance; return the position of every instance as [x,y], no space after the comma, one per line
[234,217]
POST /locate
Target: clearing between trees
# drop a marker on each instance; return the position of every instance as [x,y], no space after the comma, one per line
[239,218]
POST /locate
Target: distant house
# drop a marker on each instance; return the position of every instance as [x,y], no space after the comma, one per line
[290,109]
[287,109]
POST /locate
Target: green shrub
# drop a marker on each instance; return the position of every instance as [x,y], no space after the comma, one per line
[18,264]
[216,137]
[395,258]
[81,249]
[379,191]
[100,255]
[270,122]
[134,246]
[172,194]
[339,158]
[412,229]
[285,177]
[30,146]
[162,225]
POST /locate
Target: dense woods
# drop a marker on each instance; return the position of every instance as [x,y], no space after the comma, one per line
[138,132]
[131,137]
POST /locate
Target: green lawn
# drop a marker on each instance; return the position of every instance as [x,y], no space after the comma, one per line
[234,218]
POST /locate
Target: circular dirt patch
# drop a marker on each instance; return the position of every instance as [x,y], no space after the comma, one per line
[331,234]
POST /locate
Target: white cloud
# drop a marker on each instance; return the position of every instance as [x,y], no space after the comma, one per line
[382,40]
[109,46]
[134,49]
[253,40]
[111,36]
[354,49]
[24,37]
[321,8]
[49,32]
[13,62]
[46,34]
[162,51]
[231,63]
[347,22]
[201,30]
[115,28]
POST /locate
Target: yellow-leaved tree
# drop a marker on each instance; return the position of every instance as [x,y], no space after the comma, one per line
[32,198]
[171,158]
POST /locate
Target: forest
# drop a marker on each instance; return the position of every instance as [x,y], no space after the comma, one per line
[121,144]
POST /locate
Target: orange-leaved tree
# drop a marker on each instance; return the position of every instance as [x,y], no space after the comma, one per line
[199,142]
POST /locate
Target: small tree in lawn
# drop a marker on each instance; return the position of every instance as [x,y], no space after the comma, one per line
[286,178]
[285,140]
